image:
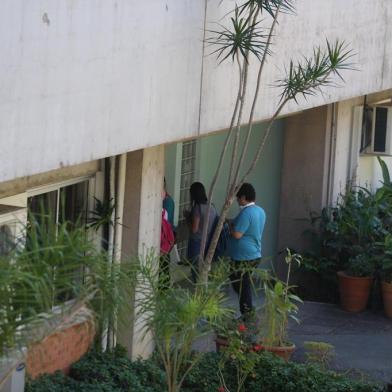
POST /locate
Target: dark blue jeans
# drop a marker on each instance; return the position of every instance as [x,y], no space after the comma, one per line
[241,282]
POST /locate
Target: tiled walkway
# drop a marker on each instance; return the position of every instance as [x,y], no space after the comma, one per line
[362,341]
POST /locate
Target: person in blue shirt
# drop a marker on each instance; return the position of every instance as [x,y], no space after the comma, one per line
[244,248]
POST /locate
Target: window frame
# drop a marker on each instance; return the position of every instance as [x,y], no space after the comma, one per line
[57,186]
[369,149]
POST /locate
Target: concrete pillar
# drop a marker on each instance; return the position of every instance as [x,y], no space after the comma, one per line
[303,174]
[141,230]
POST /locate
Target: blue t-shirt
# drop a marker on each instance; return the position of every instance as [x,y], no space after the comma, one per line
[250,221]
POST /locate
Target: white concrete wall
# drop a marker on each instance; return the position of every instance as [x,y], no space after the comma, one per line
[84,79]
[370,174]
[81,80]
[365,28]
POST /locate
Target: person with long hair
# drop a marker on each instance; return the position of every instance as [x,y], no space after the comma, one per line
[196,219]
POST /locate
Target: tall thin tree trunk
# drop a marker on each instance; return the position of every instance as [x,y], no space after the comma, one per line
[232,186]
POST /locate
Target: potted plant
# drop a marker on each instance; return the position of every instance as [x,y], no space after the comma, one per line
[355,282]
[241,354]
[354,229]
[223,332]
[280,305]
[385,266]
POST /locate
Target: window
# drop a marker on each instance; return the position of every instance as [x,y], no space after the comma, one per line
[63,204]
[12,221]
[380,130]
[376,130]
[188,167]
[53,206]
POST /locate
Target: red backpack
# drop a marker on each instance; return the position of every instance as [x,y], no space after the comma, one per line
[167,235]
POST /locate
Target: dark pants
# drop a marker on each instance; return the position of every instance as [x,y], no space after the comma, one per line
[193,253]
[241,282]
[164,271]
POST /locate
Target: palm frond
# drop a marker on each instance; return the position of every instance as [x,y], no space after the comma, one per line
[269,6]
[242,38]
[385,172]
[307,76]
[58,263]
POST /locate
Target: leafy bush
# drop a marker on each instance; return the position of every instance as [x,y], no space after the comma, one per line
[271,374]
[59,383]
[204,376]
[320,353]
[360,266]
[353,235]
[274,375]
[113,372]
[105,372]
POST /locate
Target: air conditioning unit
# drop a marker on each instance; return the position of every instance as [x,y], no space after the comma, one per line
[376,133]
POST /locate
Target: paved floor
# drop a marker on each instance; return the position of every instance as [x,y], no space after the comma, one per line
[362,342]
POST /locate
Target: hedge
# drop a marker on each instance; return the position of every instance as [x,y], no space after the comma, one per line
[114,372]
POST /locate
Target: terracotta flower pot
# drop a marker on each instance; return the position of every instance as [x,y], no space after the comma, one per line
[387,298]
[221,342]
[354,291]
[284,352]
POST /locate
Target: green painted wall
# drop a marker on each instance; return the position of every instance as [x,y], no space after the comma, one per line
[265,178]
[173,173]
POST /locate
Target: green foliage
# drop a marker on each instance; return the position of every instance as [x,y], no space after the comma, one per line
[54,383]
[239,354]
[102,214]
[269,6]
[385,258]
[115,369]
[204,375]
[112,372]
[360,265]
[319,353]
[40,275]
[60,383]
[177,316]
[274,375]
[385,171]
[354,236]
[280,304]
[244,37]
[306,77]
[347,235]
[59,262]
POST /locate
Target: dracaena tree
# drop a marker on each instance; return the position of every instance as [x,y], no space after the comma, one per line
[248,37]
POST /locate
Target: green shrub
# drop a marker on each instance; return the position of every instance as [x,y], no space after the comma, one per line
[113,372]
[59,383]
[104,372]
[319,353]
[204,376]
[115,368]
[274,375]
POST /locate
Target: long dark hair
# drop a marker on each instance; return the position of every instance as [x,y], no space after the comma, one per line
[198,193]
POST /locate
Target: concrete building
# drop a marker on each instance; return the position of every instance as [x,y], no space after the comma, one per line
[95,94]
